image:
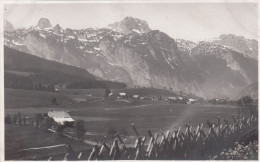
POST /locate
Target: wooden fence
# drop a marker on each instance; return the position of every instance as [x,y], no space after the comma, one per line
[190,144]
[179,144]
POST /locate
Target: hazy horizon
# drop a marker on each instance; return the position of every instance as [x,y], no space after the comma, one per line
[189,21]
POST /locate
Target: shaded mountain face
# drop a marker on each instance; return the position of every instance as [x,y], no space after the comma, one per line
[8,26]
[148,58]
[226,70]
[43,23]
[248,47]
[25,71]
[129,25]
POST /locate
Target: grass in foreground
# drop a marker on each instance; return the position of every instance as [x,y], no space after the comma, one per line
[23,137]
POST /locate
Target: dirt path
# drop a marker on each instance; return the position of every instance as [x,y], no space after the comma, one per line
[46,147]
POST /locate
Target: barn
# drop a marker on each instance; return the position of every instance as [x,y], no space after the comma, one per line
[61,118]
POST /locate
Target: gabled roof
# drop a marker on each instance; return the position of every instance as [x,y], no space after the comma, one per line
[60,117]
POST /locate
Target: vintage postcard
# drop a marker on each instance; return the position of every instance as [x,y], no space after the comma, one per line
[129,80]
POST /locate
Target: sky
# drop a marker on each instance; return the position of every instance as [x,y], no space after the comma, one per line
[191,21]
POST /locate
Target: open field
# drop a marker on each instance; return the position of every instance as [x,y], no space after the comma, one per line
[18,98]
[156,117]
[101,115]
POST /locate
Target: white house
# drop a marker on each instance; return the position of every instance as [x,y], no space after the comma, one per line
[122,94]
[191,100]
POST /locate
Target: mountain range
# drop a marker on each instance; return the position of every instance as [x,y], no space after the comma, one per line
[129,51]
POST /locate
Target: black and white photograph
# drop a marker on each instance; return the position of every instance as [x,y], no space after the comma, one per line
[122,80]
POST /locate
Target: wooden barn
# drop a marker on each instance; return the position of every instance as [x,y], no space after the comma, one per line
[61,118]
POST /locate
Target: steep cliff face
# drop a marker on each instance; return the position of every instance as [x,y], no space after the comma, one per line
[138,56]
[67,51]
[152,60]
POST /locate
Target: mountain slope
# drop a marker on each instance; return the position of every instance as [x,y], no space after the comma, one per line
[26,71]
[226,70]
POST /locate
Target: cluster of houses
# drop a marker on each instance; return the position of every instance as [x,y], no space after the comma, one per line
[182,100]
[123,95]
[173,99]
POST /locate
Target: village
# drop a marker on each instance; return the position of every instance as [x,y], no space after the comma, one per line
[179,97]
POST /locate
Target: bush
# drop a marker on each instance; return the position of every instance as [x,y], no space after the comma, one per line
[38,118]
[60,129]
[8,119]
[54,101]
[107,92]
[48,122]
[111,133]
[80,129]
[123,132]
[247,107]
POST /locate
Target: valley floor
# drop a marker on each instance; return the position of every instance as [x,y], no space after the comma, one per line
[101,115]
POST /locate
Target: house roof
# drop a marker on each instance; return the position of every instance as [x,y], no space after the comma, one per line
[60,117]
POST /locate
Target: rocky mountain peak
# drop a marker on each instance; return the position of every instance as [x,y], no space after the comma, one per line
[57,27]
[129,25]
[8,26]
[44,23]
[245,46]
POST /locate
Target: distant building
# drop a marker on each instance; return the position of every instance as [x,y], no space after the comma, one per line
[122,94]
[135,96]
[192,101]
[180,98]
[61,118]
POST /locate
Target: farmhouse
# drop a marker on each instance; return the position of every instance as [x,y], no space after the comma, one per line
[122,95]
[61,118]
[192,101]
[135,96]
